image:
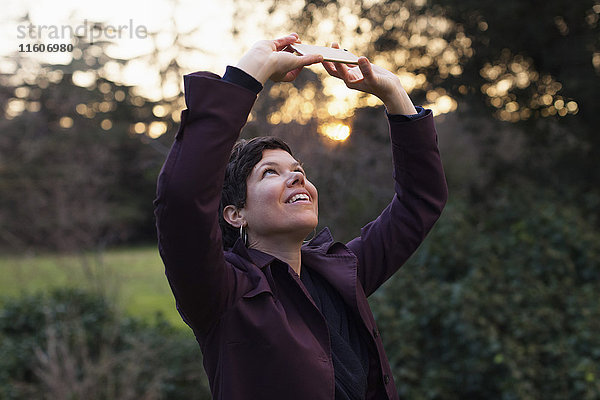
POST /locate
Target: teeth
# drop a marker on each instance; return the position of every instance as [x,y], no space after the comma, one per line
[300,196]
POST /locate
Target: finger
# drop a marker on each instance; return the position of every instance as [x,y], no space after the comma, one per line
[309,59]
[287,38]
[291,75]
[330,68]
[365,68]
[298,63]
[342,70]
[282,42]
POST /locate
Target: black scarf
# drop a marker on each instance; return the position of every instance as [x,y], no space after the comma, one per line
[348,349]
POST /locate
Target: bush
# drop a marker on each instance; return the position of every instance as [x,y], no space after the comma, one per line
[500,302]
[73,345]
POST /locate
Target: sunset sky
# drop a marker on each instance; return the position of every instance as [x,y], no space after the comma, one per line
[214,20]
[213,44]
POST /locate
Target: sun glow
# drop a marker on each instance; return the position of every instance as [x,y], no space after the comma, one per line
[335,131]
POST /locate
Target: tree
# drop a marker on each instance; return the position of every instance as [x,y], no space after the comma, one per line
[76,173]
[532,65]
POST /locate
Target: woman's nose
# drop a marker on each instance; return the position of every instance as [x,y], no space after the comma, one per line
[296,178]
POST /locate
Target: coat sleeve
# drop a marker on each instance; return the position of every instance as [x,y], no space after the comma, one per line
[188,196]
[420,195]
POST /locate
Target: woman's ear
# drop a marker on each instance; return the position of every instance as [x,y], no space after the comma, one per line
[233,216]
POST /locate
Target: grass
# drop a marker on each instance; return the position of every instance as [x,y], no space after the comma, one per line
[133,278]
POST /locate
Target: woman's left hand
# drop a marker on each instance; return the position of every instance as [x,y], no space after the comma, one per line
[370,78]
[273,59]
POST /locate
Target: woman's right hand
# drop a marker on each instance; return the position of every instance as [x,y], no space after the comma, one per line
[268,59]
[378,81]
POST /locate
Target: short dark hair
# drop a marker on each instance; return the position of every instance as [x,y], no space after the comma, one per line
[244,156]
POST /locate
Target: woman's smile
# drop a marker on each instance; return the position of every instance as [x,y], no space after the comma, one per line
[280,199]
[299,198]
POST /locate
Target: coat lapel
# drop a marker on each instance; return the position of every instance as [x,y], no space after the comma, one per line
[339,266]
[259,259]
[334,262]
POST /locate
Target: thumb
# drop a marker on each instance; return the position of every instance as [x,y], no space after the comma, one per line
[309,59]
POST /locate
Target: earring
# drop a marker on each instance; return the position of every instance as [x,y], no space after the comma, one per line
[312,237]
[244,236]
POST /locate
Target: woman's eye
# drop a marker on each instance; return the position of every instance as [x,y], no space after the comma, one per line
[301,171]
[270,170]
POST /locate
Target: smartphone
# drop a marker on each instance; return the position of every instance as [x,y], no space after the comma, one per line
[328,53]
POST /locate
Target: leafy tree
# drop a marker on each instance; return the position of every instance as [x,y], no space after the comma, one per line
[75,172]
[532,66]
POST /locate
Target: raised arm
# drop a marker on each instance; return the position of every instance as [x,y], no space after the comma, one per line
[191,180]
[420,195]
[420,185]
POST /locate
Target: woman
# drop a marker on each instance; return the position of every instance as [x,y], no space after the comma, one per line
[276,318]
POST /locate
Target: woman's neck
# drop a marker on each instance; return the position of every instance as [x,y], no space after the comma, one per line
[286,252]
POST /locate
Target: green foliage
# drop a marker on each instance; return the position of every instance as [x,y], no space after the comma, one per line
[73,345]
[500,302]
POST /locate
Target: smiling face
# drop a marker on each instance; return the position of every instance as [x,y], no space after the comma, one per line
[280,200]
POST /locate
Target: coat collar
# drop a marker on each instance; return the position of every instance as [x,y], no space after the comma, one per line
[320,244]
[332,260]
[257,257]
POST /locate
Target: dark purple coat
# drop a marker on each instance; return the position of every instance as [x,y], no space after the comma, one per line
[261,335]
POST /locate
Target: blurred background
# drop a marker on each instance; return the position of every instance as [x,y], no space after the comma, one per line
[500,302]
